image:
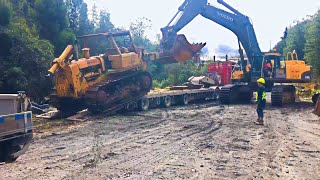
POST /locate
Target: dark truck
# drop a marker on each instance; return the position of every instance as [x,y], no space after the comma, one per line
[15,126]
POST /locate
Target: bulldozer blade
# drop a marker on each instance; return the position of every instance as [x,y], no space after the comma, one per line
[181,51]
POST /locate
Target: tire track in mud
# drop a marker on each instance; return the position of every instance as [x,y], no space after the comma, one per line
[127,137]
[200,142]
[286,161]
[238,145]
[153,123]
[164,146]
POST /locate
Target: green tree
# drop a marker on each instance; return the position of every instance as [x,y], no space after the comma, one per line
[105,24]
[64,38]
[25,9]
[25,68]
[281,45]
[52,18]
[84,24]
[73,9]
[312,47]
[95,17]
[296,39]
[138,29]
[177,74]
[5,18]
[5,12]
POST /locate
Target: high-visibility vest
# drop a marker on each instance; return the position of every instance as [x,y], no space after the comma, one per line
[264,96]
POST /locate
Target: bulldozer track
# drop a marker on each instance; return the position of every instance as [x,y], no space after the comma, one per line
[91,96]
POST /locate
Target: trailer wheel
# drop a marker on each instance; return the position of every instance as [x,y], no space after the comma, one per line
[185,99]
[166,102]
[158,101]
[217,93]
[129,107]
[6,152]
[144,104]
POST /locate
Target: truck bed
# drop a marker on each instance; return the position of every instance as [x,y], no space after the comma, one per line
[14,124]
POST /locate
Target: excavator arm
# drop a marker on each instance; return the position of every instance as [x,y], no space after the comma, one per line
[235,21]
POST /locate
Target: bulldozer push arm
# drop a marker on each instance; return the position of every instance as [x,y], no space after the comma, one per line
[60,61]
[236,22]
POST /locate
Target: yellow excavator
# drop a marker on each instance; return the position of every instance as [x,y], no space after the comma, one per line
[244,81]
[115,76]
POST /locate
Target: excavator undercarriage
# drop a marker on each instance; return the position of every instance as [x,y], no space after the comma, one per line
[283,94]
[235,93]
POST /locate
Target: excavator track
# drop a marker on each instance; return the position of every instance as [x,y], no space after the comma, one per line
[235,94]
[225,95]
[283,94]
[113,94]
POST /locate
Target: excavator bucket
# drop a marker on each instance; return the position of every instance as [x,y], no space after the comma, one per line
[181,51]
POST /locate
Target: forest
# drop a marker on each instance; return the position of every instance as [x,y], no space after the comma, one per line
[303,37]
[33,32]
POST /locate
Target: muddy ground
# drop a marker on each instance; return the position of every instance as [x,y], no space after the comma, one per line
[199,141]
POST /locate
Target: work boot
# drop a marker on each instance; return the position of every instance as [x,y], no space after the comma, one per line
[259,121]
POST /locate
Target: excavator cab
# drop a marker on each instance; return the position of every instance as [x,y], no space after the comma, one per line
[277,68]
[273,66]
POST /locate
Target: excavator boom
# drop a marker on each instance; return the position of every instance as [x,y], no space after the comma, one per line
[235,21]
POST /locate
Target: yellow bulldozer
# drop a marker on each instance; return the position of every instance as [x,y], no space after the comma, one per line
[117,75]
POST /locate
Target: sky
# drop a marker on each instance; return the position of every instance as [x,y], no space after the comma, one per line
[269,17]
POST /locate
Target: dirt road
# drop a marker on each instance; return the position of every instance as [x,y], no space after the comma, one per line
[207,141]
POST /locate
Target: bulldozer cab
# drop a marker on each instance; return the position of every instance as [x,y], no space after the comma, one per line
[109,43]
[120,43]
[118,49]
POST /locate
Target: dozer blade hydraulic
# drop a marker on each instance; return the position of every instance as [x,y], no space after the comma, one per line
[181,51]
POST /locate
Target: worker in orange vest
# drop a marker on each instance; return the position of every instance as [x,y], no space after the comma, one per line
[267,69]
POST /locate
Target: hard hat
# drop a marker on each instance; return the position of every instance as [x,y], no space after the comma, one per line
[261,80]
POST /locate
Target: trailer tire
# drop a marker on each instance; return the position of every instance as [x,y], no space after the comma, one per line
[158,101]
[185,99]
[129,107]
[166,101]
[217,93]
[144,104]
[6,152]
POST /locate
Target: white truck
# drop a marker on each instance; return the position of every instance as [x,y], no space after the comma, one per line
[15,126]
